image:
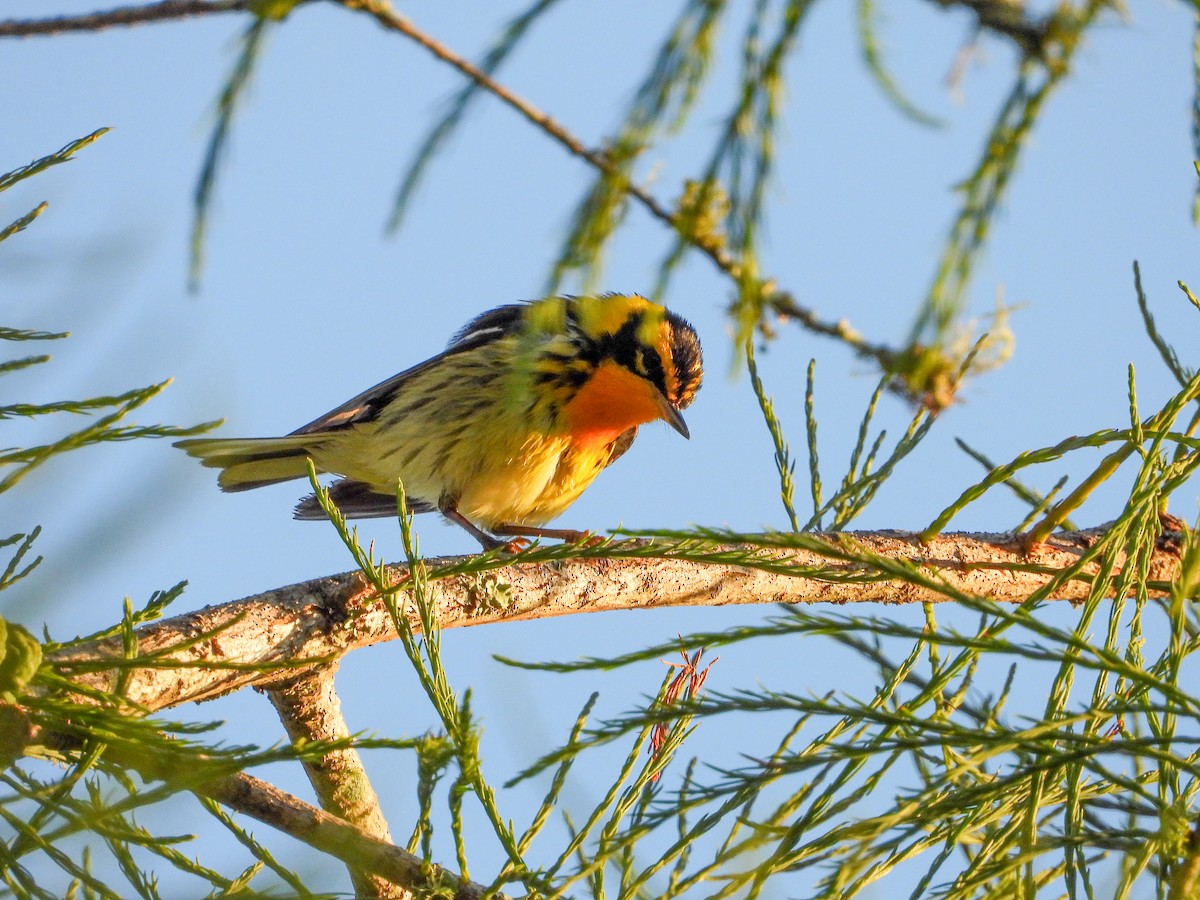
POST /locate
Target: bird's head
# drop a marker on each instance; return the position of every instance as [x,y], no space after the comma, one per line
[635,362]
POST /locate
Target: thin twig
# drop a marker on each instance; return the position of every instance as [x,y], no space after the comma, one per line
[782,302]
[123,16]
[995,15]
[1008,19]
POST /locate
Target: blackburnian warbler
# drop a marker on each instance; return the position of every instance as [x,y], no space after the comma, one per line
[503,430]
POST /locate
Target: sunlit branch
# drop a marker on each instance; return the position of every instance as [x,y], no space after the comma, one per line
[310,710]
[216,650]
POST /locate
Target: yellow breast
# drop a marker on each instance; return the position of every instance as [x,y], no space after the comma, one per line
[536,485]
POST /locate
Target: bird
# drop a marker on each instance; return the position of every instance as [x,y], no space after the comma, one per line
[502,431]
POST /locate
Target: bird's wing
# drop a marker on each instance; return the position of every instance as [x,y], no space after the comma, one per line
[490,326]
[618,447]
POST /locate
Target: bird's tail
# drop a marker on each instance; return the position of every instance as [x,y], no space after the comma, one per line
[247,463]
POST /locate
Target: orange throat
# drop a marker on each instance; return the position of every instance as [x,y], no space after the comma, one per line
[611,402]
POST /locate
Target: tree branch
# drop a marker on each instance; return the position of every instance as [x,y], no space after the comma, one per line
[266,803]
[320,830]
[124,16]
[310,710]
[783,302]
[996,15]
[216,650]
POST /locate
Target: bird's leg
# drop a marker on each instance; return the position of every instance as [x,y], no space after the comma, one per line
[521,533]
[568,535]
[449,509]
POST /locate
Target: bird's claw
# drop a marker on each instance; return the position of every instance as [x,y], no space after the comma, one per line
[516,545]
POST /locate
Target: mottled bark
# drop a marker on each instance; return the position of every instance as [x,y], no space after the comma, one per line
[321,619]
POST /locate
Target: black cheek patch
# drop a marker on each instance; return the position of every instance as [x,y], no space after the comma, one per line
[624,348]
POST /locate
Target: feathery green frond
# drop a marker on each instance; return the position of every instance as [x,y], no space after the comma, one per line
[868,39]
[227,106]
[8,179]
[441,132]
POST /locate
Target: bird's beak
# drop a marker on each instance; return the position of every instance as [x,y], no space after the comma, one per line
[671,415]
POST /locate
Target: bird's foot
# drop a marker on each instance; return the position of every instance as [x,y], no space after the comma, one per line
[566,535]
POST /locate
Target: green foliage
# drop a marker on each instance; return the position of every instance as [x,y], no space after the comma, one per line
[1038,76]
[732,185]
[111,753]
[20,658]
[420,635]
[15,464]
[783,460]
[992,804]
[31,702]
[445,127]
[868,25]
[988,803]
[227,104]
[937,772]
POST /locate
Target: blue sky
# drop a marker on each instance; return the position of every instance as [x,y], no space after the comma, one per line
[305,302]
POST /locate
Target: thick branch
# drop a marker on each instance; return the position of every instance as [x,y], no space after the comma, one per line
[323,618]
[290,815]
[310,710]
[389,865]
[329,834]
